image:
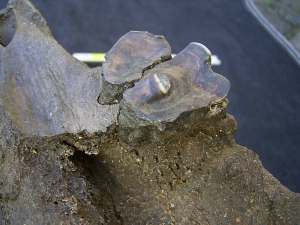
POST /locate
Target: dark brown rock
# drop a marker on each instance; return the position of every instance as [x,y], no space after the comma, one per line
[94,177]
[40,184]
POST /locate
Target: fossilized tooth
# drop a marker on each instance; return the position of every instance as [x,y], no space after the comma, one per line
[192,85]
[173,90]
[44,89]
[152,89]
[126,61]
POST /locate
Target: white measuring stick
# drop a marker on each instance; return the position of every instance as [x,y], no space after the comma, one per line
[100,58]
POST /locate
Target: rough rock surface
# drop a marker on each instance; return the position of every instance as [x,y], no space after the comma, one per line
[45,89]
[95,178]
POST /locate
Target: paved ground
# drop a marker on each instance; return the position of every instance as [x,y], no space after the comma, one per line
[284,15]
[265,93]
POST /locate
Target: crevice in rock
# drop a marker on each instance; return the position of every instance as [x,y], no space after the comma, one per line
[8,26]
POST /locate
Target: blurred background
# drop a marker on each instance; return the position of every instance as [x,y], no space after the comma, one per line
[265,93]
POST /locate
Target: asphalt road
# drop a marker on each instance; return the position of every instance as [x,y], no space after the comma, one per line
[265,93]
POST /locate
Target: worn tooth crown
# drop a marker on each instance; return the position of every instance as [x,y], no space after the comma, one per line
[184,83]
[126,61]
[157,91]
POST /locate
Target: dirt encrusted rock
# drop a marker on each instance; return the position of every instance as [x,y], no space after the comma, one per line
[134,169]
[203,178]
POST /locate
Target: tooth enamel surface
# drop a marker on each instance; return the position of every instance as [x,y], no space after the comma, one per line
[162,82]
[174,87]
[202,46]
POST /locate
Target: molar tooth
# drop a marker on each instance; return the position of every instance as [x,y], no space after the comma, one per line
[125,62]
[172,97]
